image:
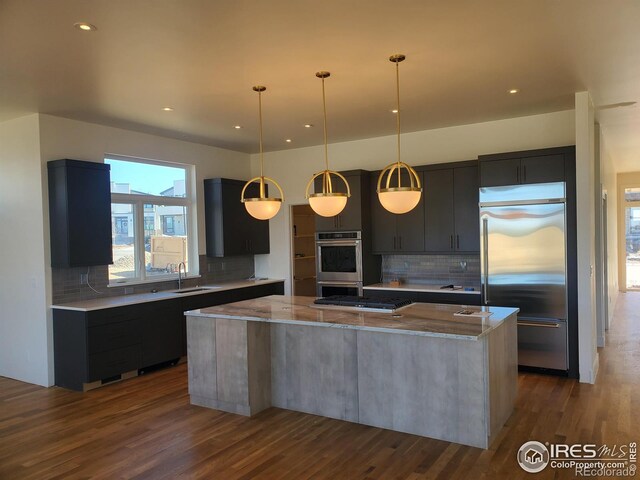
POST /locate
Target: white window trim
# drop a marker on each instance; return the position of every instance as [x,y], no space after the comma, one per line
[139,201]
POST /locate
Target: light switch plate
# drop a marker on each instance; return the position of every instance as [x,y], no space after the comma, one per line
[84,278]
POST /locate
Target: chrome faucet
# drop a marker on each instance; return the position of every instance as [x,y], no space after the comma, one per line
[181,267]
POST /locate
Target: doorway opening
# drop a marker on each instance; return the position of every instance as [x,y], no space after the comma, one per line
[632,237]
[303,236]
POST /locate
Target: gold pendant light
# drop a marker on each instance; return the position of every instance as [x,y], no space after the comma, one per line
[327,203]
[395,197]
[262,207]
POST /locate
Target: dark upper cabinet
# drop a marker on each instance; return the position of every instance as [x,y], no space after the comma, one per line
[500,172]
[438,211]
[451,209]
[230,230]
[355,213]
[465,209]
[396,233]
[79,213]
[533,166]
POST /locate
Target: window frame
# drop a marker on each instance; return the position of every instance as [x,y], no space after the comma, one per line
[139,201]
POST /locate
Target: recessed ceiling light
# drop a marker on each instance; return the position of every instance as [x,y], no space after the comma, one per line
[288,140]
[167,109]
[237,127]
[513,90]
[395,110]
[307,125]
[85,27]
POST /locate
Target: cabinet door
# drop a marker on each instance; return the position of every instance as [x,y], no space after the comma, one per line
[465,209]
[351,217]
[162,333]
[80,213]
[410,226]
[543,169]
[383,223]
[495,173]
[236,221]
[438,211]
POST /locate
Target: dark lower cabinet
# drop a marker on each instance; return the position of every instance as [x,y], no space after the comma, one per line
[103,345]
[428,297]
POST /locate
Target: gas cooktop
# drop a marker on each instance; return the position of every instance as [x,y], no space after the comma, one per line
[364,302]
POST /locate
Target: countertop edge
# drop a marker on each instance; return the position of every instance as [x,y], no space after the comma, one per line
[163,295]
[198,313]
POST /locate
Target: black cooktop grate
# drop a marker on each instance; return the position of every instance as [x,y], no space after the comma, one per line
[366,302]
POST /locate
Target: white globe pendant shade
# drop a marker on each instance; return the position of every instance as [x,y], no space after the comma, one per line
[328,205]
[262,208]
[400,201]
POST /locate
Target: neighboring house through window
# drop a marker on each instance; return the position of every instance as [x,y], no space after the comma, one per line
[152,206]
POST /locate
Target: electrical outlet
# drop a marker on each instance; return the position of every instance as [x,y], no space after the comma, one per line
[84,278]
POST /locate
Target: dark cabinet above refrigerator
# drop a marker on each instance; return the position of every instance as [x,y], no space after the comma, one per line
[527,167]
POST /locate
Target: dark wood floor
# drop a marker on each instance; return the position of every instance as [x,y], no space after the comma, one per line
[146,428]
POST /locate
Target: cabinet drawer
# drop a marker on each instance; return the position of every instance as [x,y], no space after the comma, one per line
[113,335]
[113,362]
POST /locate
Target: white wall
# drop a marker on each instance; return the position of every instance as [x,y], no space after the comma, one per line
[585,196]
[24,336]
[293,168]
[609,184]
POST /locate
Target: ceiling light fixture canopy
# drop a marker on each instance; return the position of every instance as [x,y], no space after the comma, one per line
[327,203]
[261,207]
[393,196]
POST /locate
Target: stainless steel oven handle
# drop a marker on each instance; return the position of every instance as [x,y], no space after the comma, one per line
[338,282]
[338,243]
[543,325]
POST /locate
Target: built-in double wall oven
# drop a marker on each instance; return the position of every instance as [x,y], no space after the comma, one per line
[339,263]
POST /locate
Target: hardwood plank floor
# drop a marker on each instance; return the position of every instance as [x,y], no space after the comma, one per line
[145,428]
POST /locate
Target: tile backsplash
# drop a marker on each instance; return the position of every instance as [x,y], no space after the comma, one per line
[432,269]
[66,285]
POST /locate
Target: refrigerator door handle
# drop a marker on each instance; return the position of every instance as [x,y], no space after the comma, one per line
[485,253]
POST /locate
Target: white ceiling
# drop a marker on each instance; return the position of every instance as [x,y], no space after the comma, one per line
[202,58]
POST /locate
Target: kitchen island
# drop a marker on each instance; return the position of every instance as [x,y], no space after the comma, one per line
[421,370]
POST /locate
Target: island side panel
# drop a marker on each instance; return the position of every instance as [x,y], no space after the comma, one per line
[502,345]
[314,370]
[201,354]
[427,386]
[259,358]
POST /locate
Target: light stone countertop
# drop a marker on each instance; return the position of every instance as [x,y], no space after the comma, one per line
[423,319]
[419,287]
[136,298]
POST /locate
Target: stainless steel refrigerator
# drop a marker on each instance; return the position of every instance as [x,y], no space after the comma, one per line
[524,264]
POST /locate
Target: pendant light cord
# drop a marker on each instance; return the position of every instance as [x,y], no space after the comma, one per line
[398,115]
[324,109]
[260,120]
